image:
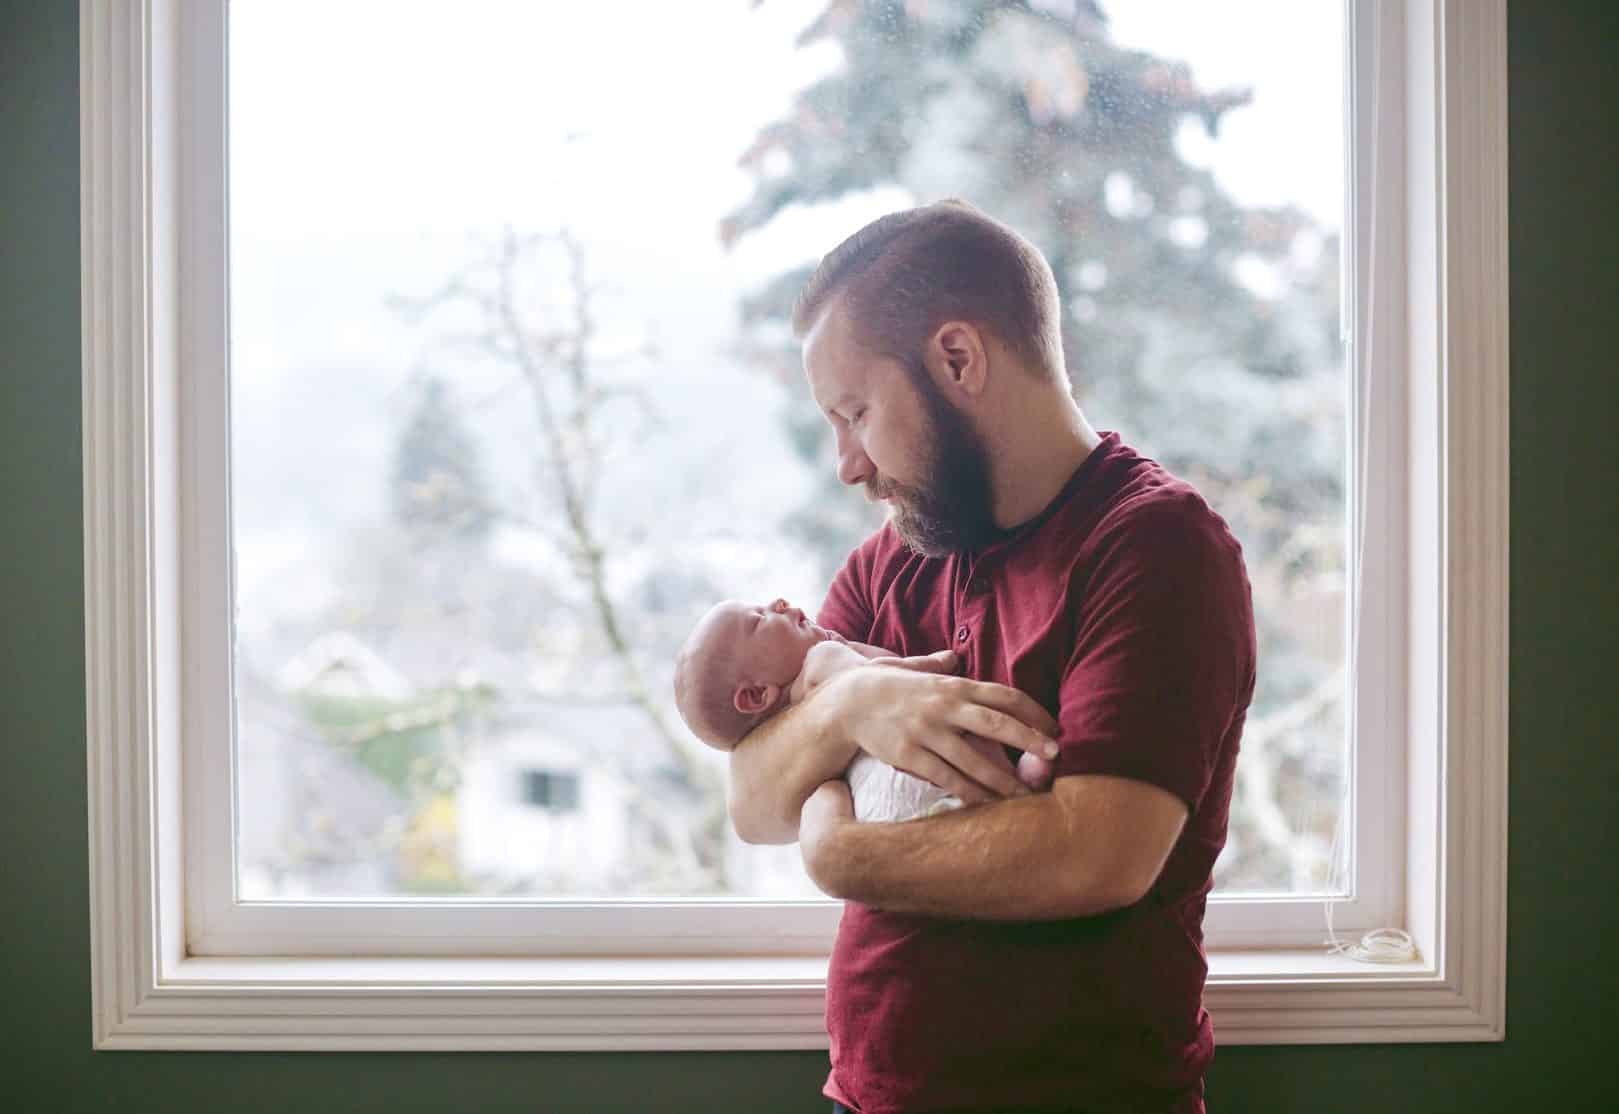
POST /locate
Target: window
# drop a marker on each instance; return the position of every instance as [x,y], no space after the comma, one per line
[556,792]
[344,787]
[425,439]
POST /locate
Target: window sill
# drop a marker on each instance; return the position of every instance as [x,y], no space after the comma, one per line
[670,973]
[668,1003]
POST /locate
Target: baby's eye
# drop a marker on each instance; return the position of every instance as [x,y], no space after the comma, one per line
[858,414]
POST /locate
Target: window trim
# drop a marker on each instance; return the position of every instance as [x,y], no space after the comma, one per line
[151,988]
[219,923]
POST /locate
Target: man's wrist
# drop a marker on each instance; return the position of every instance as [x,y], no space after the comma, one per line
[812,847]
[826,816]
[828,721]
[823,751]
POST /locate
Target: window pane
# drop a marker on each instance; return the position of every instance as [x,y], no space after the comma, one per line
[514,399]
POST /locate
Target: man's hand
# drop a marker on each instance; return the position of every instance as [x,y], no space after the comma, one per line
[828,807]
[914,720]
[917,721]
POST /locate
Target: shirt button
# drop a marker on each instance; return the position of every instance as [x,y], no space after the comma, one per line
[979,584]
[962,633]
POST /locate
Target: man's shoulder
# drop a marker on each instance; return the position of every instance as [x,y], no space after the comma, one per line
[1161,549]
[1155,511]
[1165,543]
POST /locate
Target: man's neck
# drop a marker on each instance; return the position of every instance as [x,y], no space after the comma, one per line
[1039,461]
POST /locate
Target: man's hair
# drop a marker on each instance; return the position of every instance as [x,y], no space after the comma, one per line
[706,676]
[904,274]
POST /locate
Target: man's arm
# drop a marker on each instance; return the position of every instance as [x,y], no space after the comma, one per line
[778,764]
[1092,844]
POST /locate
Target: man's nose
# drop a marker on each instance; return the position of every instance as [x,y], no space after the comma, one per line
[854,466]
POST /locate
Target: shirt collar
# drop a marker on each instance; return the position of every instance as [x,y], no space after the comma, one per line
[1071,488]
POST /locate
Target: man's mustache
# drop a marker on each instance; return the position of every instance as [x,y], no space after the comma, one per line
[878,489]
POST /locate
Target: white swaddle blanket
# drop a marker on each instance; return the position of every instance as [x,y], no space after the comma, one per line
[881,792]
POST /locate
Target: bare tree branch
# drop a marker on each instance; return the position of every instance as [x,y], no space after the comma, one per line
[558,369]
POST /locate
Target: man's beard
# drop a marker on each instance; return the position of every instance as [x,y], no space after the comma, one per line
[952,509]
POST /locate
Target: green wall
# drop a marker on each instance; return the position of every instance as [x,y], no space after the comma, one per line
[1563,974]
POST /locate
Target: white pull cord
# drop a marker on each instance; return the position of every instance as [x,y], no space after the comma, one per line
[1380,945]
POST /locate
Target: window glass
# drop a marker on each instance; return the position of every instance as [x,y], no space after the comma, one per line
[514,399]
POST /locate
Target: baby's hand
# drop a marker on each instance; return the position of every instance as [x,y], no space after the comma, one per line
[1035,772]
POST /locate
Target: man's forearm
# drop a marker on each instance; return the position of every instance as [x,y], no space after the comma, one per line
[1014,860]
[779,764]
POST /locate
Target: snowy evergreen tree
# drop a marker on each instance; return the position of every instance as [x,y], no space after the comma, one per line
[1204,330]
[437,489]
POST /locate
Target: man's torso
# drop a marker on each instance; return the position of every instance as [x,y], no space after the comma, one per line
[1101,1012]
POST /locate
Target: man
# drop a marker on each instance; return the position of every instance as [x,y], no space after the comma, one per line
[1032,951]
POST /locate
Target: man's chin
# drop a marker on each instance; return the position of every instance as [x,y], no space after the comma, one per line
[930,536]
[918,536]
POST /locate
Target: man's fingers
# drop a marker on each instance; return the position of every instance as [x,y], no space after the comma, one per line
[936,771]
[995,776]
[956,766]
[1003,714]
[1001,727]
[953,764]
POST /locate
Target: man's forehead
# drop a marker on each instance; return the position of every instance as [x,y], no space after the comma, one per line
[833,363]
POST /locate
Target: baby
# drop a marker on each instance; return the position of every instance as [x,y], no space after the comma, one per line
[743,663]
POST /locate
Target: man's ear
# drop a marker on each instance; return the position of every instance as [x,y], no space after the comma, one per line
[750,700]
[962,356]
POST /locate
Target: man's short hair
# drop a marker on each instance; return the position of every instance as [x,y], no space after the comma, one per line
[904,274]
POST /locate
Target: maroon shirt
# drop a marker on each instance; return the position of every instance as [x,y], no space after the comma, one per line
[1123,608]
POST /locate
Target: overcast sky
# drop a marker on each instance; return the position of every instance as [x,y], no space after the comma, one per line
[377,146]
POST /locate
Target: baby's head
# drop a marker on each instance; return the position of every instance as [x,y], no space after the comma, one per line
[738,666]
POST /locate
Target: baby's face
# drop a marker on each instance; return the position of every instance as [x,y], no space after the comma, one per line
[772,640]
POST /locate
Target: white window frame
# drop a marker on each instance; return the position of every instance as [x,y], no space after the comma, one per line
[178,962]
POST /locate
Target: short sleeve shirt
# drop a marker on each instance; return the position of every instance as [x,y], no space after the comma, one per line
[1124,608]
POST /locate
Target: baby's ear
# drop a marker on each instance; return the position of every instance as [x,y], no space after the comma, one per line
[750,700]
